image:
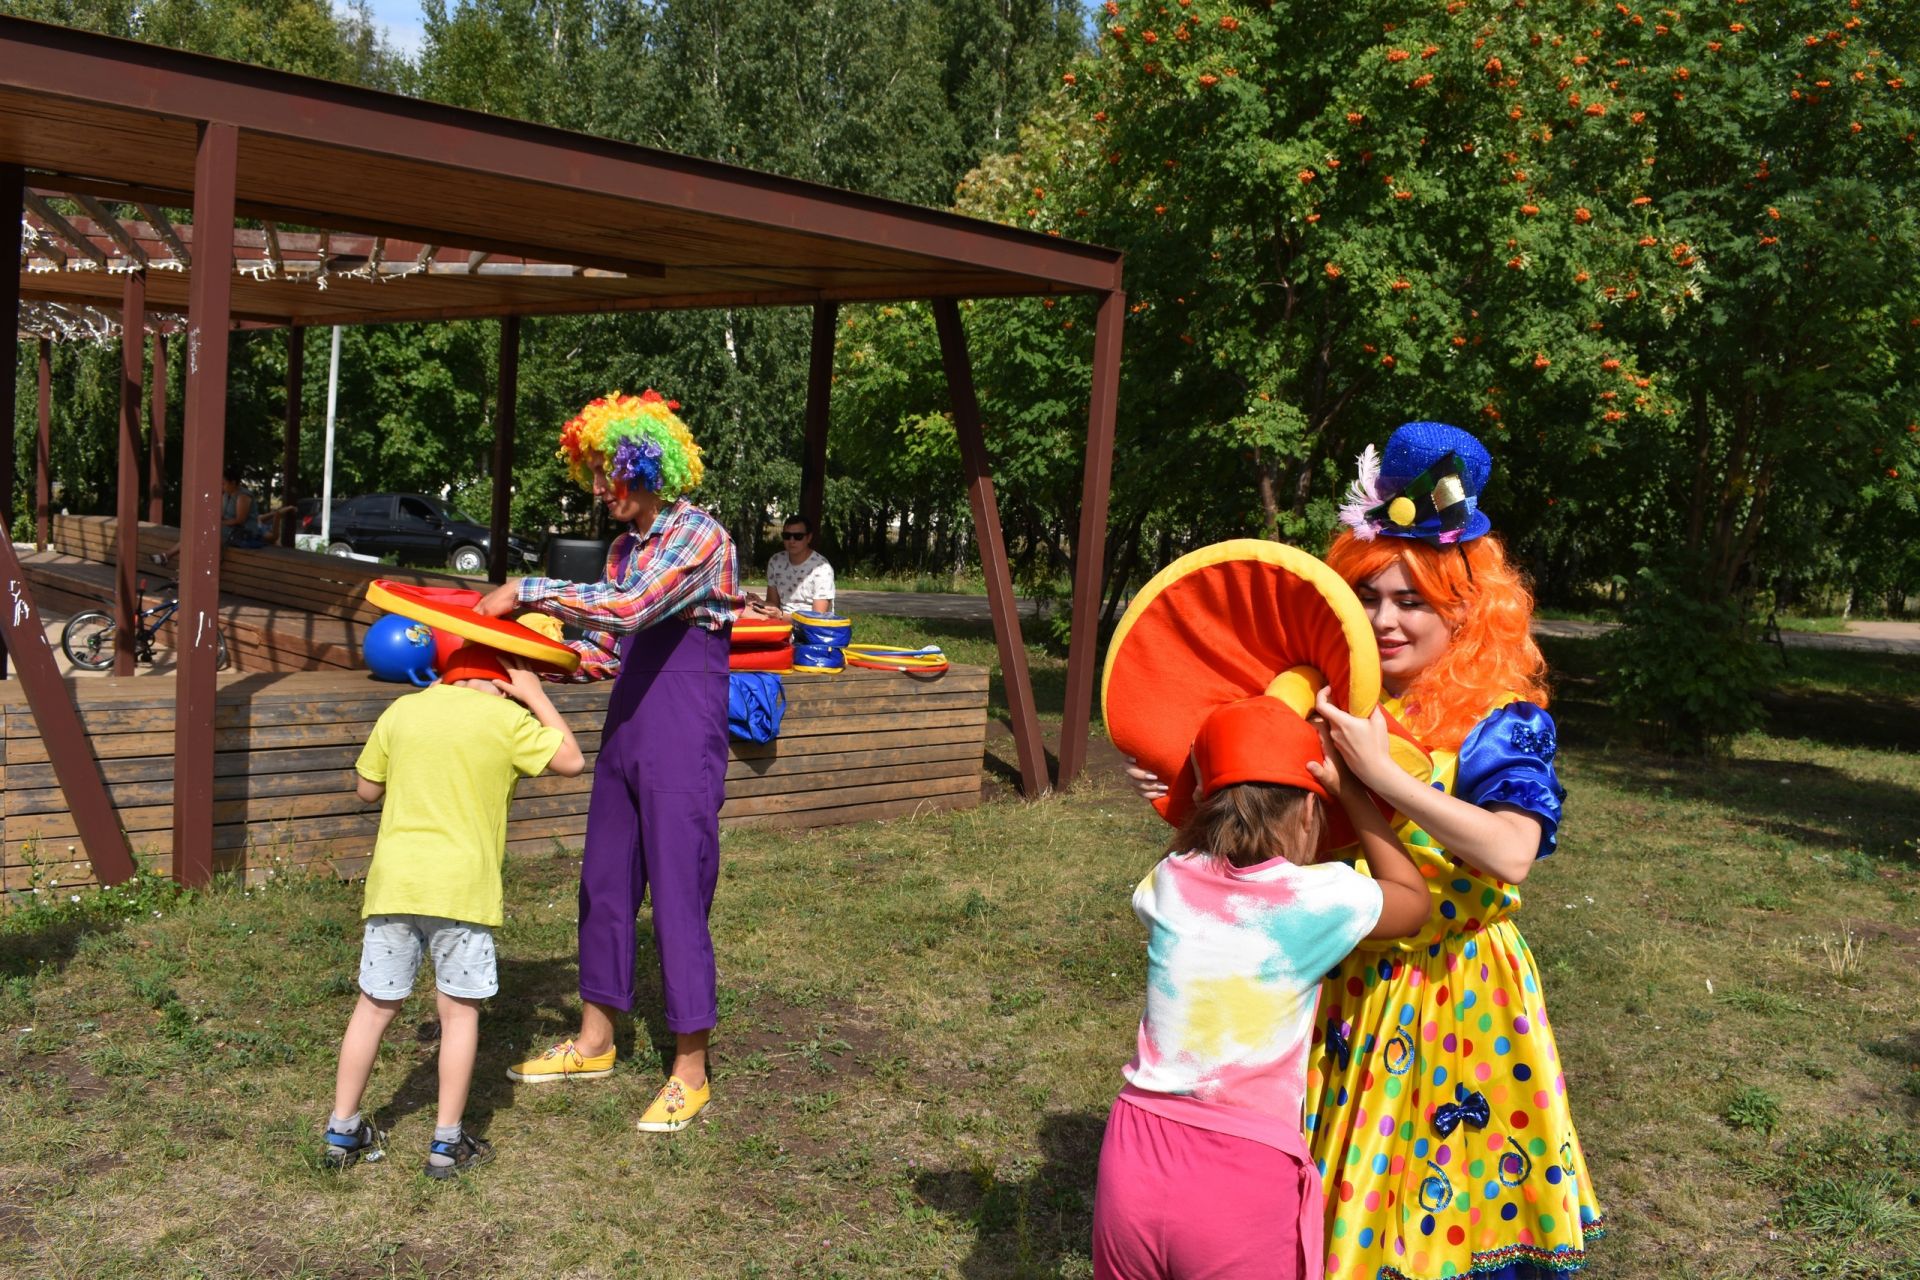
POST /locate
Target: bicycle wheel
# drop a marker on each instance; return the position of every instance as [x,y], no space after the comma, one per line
[87,640]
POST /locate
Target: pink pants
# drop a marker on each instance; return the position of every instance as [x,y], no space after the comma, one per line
[1176,1202]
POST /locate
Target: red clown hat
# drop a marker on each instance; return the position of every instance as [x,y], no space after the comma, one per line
[1228,622]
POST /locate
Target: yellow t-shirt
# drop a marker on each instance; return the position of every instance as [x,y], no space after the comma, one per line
[449,757]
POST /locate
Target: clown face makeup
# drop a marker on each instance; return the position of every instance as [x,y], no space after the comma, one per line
[623,503]
[1409,631]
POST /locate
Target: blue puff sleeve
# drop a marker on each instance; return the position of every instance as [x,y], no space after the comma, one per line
[1508,759]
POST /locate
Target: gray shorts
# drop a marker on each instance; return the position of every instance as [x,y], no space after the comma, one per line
[463,957]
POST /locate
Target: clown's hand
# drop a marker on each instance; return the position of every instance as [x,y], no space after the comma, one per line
[1147,784]
[1362,744]
[501,601]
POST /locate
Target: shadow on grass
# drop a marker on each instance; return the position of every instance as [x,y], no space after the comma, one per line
[1821,805]
[522,1021]
[1033,1222]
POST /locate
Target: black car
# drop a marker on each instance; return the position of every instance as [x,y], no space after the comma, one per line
[417,529]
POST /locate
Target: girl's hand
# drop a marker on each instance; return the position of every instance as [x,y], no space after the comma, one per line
[1147,784]
[500,601]
[1362,744]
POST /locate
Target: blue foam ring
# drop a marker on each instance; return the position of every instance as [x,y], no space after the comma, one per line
[819,657]
[821,628]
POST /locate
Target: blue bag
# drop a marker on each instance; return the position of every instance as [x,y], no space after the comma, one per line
[756,701]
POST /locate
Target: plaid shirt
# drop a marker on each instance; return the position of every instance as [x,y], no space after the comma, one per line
[684,567]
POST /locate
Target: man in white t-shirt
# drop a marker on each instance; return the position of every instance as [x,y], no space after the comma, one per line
[800,577]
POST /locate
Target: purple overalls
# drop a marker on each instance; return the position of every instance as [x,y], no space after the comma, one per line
[654,821]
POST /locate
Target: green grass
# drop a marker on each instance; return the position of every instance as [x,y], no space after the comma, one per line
[922,1027]
[967,584]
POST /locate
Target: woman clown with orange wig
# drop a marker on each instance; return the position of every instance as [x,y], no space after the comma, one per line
[1436,1103]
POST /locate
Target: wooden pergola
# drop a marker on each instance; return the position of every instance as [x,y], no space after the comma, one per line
[133,166]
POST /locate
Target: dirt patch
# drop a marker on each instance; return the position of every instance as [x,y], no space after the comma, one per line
[68,1067]
[16,1223]
[380,1261]
[782,1063]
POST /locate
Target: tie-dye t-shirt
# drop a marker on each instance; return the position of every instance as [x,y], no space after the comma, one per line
[1234,961]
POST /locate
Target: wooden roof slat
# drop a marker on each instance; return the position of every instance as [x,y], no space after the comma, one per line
[107,222]
[54,221]
[41,242]
[165,230]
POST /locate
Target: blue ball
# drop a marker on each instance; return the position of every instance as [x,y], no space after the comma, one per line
[399,649]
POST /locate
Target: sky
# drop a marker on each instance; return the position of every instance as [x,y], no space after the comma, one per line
[401,20]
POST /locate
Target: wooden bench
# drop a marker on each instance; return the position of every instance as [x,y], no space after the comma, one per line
[281,610]
[857,746]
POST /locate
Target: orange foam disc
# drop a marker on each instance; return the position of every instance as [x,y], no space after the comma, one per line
[760,633]
[450,609]
[761,658]
[1227,622]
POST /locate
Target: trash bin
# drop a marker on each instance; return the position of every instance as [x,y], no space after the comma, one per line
[577,559]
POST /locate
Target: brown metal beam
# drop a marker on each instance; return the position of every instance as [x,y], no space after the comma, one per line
[23,630]
[51,701]
[126,589]
[43,449]
[12,190]
[813,462]
[196,625]
[506,404]
[157,436]
[71,64]
[993,549]
[290,436]
[1089,545]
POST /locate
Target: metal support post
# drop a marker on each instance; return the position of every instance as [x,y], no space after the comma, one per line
[813,464]
[126,589]
[290,440]
[1089,547]
[209,318]
[503,422]
[993,550]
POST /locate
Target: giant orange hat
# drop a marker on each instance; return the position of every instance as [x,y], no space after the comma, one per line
[1228,622]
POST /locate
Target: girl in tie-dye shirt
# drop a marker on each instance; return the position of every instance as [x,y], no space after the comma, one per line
[1204,1171]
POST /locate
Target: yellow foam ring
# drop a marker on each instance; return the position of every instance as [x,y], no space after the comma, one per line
[462,621]
[1298,687]
[1412,760]
[1363,689]
[545,624]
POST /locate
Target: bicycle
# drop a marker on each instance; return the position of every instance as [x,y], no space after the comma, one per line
[88,640]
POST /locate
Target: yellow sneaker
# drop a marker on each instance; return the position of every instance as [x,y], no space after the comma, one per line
[675,1106]
[562,1062]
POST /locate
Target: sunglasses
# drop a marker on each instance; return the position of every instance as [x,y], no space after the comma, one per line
[794,537]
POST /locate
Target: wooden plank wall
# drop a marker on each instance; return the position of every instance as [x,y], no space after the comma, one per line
[857,746]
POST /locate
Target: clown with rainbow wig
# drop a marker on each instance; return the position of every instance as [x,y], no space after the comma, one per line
[658,625]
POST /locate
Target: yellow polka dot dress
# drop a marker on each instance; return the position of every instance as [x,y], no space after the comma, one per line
[1436,1107]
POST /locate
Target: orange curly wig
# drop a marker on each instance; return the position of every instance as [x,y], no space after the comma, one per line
[1491,614]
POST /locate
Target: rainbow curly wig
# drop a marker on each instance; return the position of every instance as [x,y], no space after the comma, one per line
[643,441]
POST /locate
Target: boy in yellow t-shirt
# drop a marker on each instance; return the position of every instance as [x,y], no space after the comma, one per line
[446,760]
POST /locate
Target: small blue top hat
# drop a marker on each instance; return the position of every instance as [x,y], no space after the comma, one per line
[1426,487]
